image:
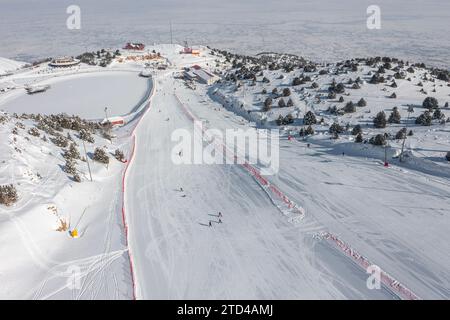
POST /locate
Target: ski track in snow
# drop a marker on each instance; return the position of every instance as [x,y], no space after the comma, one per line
[324,192]
[395,217]
[254,253]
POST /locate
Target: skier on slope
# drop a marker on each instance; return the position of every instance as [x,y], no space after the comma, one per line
[210,224]
[220,214]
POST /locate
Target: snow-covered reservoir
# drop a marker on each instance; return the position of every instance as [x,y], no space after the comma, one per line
[85,95]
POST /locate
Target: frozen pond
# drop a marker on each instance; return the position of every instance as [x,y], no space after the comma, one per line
[84,95]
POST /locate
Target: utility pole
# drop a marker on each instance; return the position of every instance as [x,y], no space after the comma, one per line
[406,132]
[243,93]
[171,33]
[385,155]
[106,113]
[87,160]
[107,127]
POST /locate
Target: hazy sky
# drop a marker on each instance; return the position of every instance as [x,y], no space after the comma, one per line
[320,29]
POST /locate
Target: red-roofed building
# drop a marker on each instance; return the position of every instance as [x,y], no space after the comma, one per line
[134,46]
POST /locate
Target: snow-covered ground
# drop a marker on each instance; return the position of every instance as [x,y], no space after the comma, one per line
[253,254]
[376,210]
[38,262]
[427,144]
[8,65]
[397,217]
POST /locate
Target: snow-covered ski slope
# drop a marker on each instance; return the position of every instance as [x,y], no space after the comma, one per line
[395,217]
[255,253]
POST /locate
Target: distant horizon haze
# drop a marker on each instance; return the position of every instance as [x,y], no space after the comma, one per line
[327,30]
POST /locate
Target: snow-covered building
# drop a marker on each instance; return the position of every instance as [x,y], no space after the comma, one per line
[189,50]
[134,46]
[64,62]
[37,89]
[115,121]
[200,75]
[146,73]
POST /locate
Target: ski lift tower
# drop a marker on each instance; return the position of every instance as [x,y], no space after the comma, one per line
[186,48]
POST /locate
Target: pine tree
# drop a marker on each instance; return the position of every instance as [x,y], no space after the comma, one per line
[309,131]
[424,119]
[118,154]
[281,103]
[356,130]
[394,117]
[437,114]
[401,134]
[290,103]
[309,118]
[297,81]
[378,140]
[380,120]
[100,156]
[69,167]
[60,141]
[86,136]
[8,195]
[267,104]
[76,177]
[280,120]
[362,103]
[350,107]
[73,152]
[430,103]
[359,138]
[336,128]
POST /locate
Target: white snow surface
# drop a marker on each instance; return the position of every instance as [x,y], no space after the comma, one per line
[85,95]
[8,65]
[255,253]
[37,261]
[397,217]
